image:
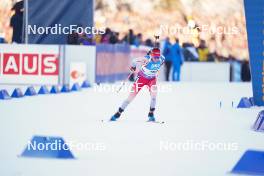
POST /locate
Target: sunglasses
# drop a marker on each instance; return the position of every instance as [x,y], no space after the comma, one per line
[155,57]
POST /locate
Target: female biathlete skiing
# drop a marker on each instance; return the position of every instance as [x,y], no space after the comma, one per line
[146,69]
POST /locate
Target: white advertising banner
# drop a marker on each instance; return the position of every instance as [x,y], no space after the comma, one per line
[81,59]
[205,72]
[77,72]
[29,64]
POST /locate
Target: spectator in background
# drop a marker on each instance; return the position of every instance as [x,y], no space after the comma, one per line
[129,38]
[86,39]
[114,38]
[106,36]
[177,60]
[235,69]
[167,54]
[245,71]
[16,22]
[73,39]
[149,43]
[138,40]
[2,38]
[212,57]
[190,52]
[203,51]
[97,38]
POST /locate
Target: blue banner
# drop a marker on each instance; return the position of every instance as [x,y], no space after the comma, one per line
[53,18]
[112,62]
[254,11]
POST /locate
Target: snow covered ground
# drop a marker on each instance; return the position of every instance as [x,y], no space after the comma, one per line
[131,146]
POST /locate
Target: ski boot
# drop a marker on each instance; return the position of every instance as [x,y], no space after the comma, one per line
[117,115]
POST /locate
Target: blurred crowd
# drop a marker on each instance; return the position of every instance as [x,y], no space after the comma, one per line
[110,37]
[227,14]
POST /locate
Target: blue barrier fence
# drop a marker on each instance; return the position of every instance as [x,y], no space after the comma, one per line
[112,62]
[254,21]
[43,90]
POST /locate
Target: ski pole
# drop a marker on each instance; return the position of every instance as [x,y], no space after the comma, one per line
[124,81]
[156,40]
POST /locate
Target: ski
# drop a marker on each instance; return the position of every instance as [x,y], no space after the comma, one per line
[158,122]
